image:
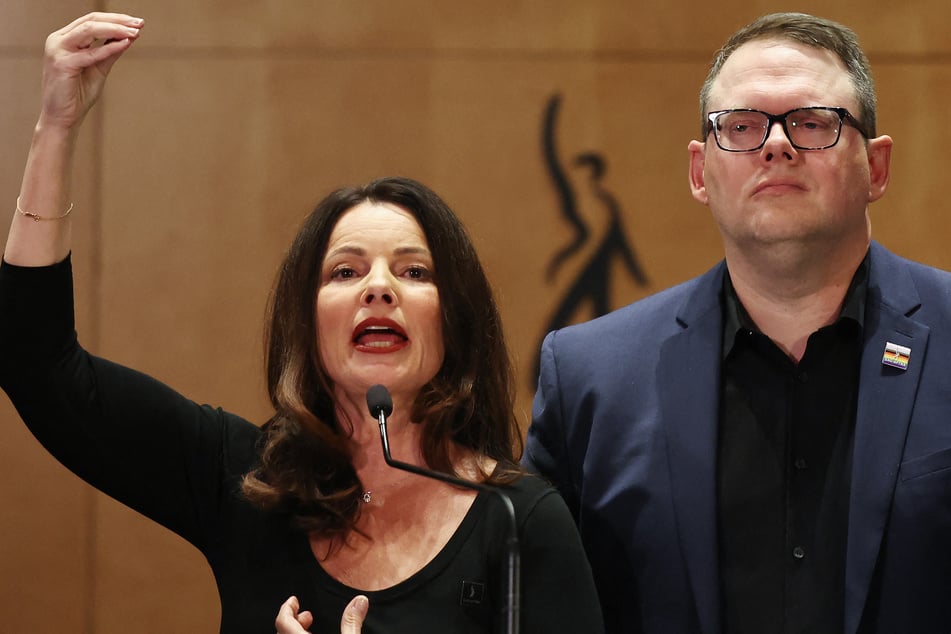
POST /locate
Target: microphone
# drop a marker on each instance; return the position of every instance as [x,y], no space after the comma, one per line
[380,404]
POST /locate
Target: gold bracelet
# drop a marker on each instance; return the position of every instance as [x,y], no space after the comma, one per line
[37,217]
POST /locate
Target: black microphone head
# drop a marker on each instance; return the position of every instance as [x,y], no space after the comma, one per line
[379,401]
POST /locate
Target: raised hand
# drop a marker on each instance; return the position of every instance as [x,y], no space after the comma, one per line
[78,59]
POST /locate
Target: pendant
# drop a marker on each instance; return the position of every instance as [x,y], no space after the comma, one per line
[367,496]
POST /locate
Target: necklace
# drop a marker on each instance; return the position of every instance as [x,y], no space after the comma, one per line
[367,496]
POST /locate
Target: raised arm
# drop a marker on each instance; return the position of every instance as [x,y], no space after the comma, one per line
[77,60]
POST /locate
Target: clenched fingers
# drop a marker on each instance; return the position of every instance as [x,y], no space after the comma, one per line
[78,58]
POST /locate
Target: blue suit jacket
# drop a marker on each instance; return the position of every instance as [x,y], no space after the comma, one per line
[625,425]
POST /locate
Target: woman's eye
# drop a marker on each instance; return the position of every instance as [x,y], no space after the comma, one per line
[418,273]
[342,273]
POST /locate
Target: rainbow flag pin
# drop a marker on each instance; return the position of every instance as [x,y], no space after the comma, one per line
[896,356]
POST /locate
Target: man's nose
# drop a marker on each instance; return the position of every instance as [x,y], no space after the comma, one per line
[777,142]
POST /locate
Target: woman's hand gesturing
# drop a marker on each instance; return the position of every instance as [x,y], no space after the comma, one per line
[290,620]
[77,60]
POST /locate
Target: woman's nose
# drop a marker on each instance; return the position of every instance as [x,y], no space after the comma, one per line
[379,287]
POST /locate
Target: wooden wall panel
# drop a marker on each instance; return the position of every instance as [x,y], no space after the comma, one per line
[25,25]
[228,121]
[913,216]
[663,27]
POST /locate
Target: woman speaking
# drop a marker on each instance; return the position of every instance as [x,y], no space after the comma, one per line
[301,518]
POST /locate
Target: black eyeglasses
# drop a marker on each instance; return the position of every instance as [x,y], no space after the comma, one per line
[813,128]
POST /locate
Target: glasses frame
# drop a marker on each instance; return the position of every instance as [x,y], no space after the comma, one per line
[845,117]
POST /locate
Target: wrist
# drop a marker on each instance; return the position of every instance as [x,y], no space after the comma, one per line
[49,130]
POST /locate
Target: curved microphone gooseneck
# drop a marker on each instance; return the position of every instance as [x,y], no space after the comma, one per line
[380,404]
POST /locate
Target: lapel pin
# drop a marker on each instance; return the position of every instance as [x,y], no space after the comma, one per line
[896,356]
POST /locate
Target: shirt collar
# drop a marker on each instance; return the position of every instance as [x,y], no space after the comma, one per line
[735,317]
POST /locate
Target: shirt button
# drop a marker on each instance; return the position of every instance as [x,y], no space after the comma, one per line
[800,464]
[802,377]
[798,552]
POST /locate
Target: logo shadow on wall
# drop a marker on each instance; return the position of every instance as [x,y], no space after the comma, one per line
[592,284]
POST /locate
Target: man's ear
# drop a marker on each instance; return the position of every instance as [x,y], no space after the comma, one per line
[698,157]
[879,166]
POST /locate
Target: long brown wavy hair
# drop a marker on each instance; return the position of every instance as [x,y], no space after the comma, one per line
[305,467]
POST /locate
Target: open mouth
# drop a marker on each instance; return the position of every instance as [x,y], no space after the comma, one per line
[379,337]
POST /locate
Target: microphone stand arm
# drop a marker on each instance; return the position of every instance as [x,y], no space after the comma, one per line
[513,558]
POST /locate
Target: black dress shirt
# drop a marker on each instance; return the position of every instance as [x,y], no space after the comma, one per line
[783,471]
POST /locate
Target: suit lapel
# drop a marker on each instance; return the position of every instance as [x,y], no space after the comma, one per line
[688,377]
[885,400]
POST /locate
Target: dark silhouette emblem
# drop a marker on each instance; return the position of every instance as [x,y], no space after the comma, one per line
[592,285]
[473,593]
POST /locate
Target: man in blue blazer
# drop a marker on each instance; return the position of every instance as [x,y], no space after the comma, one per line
[767,448]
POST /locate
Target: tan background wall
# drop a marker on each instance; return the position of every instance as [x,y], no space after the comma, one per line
[229,120]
